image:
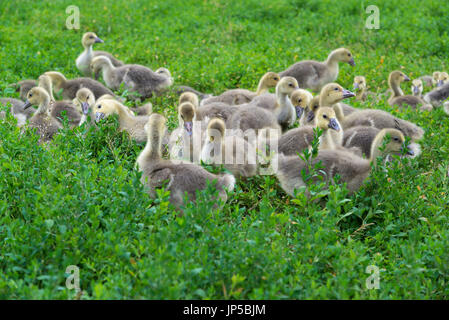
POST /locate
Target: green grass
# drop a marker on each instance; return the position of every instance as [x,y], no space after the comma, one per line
[79,201]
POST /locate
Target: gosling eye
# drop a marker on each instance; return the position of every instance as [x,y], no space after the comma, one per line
[336,89]
[290,85]
[30,95]
[91,37]
[99,106]
[349,54]
[276,79]
[324,116]
[396,139]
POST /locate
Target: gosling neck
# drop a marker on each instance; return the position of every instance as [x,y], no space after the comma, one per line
[58,80]
[332,62]
[43,106]
[375,151]
[396,89]
[284,105]
[361,93]
[107,69]
[326,141]
[123,114]
[47,86]
[262,87]
[154,144]
[88,48]
[339,113]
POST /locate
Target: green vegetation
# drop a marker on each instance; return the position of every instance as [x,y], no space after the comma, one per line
[79,201]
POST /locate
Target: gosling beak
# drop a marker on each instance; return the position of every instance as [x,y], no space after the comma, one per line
[415,90]
[188,126]
[99,116]
[333,124]
[299,111]
[406,78]
[98,40]
[310,116]
[440,83]
[356,86]
[85,108]
[348,94]
[352,62]
[410,151]
[27,105]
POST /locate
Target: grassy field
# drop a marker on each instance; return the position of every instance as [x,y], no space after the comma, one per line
[79,201]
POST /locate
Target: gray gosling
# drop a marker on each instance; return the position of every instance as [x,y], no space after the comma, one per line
[134,125]
[297,140]
[360,88]
[353,170]
[314,75]
[137,79]
[23,87]
[397,96]
[59,108]
[70,87]
[186,136]
[84,59]
[379,119]
[180,178]
[281,107]
[362,137]
[241,96]
[45,124]
[17,110]
[417,88]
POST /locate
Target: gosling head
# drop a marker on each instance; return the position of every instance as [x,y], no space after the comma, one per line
[270,79]
[333,93]
[396,144]
[443,78]
[343,55]
[436,76]
[98,63]
[90,39]
[36,96]
[216,129]
[287,85]
[314,106]
[189,97]
[104,108]
[326,119]
[85,99]
[359,83]
[397,77]
[300,99]
[164,71]
[417,87]
[186,115]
